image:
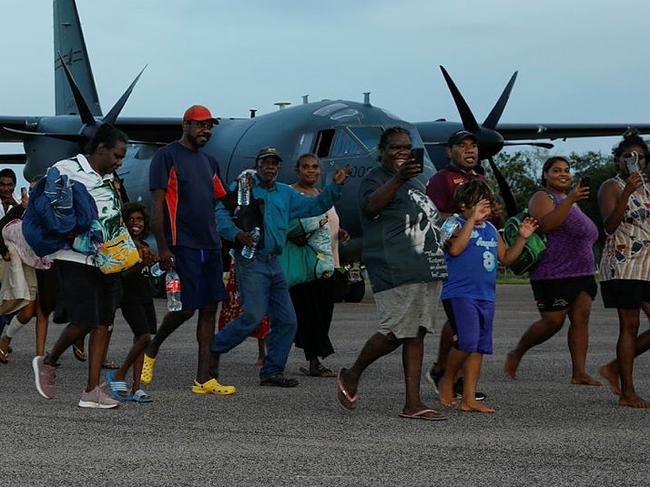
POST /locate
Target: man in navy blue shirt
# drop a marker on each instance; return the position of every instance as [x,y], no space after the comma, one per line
[261,282]
[185,185]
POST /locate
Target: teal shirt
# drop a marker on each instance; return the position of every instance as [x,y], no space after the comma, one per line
[281,204]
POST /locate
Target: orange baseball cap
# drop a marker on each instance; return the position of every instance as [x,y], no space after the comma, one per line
[199,113]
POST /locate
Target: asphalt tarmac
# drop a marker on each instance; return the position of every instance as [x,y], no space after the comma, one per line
[545,431]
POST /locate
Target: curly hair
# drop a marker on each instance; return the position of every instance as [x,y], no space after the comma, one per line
[631,138]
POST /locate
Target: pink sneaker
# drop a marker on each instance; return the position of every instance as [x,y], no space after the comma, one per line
[44,377]
[97,399]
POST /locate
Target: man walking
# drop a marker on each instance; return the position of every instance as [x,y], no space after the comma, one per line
[185,185]
[262,283]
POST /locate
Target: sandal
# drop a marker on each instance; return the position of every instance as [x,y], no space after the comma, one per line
[79,353]
[4,357]
[117,387]
[147,369]
[320,371]
[213,387]
[141,397]
[110,365]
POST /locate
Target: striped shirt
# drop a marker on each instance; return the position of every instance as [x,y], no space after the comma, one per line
[627,251]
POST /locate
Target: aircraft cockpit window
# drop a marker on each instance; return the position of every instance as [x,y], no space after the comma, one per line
[324,142]
[345,145]
[338,143]
[369,136]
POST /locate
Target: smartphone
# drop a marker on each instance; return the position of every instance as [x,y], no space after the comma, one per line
[585,182]
[632,163]
[418,155]
[23,192]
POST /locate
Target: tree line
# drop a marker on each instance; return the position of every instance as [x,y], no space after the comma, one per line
[523,170]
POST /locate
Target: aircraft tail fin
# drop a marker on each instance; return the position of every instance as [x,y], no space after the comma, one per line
[70,45]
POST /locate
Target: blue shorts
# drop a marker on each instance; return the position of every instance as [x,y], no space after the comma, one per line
[471,320]
[201,275]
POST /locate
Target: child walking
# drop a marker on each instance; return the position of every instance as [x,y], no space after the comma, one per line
[472,250]
[137,308]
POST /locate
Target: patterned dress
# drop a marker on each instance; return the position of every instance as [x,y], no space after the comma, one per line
[627,251]
[231,308]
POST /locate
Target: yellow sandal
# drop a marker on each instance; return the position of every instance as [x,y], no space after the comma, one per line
[147,369]
[212,387]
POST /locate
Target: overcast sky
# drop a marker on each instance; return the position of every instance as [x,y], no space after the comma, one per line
[578,61]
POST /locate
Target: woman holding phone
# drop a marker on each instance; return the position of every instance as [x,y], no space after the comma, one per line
[624,203]
[563,280]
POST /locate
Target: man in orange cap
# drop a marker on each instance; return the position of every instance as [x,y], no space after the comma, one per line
[185,186]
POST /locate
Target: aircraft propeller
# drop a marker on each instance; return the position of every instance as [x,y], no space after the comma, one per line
[490,141]
[89,123]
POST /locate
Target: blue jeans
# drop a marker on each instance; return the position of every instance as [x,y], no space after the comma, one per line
[264,291]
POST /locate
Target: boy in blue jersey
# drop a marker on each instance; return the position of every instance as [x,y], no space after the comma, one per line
[472,250]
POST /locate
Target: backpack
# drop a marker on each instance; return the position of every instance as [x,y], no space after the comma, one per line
[534,248]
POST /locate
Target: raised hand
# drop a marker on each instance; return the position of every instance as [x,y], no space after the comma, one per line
[528,227]
[633,182]
[408,170]
[341,175]
[578,193]
[481,210]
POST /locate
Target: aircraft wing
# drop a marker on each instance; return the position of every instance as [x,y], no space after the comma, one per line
[141,129]
[151,129]
[16,123]
[12,159]
[523,131]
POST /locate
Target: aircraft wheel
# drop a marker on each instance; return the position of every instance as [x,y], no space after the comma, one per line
[355,292]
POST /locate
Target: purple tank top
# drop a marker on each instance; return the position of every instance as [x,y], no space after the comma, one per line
[569,248]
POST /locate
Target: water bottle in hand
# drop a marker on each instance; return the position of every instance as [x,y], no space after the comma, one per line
[244,187]
[249,252]
[173,287]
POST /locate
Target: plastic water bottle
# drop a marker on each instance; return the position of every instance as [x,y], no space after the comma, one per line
[155,270]
[448,228]
[243,191]
[173,288]
[249,252]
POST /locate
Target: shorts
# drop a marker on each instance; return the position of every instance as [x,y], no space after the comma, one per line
[625,293]
[141,318]
[201,275]
[89,297]
[471,320]
[560,294]
[405,309]
[48,288]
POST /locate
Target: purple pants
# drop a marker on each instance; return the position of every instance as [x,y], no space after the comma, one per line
[471,320]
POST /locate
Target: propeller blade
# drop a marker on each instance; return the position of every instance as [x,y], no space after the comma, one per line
[68,137]
[84,112]
[494,116]
[545,145]
[112,115]
[504,188]
[466,115]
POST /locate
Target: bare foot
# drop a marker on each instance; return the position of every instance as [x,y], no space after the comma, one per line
[510,367]
[446,393]
[608,372]
[476,407]
[585,380]
[634,402]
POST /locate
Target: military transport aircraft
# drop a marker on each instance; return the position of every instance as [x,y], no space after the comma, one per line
[339,131]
